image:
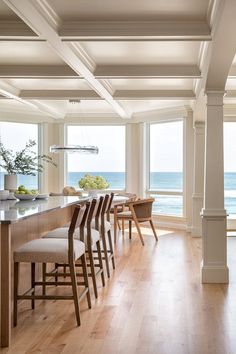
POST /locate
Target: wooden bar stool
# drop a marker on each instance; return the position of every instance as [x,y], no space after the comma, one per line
[90,237]
[44,250]
[103,225]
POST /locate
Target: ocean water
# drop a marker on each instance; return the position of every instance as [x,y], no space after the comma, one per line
[171,205]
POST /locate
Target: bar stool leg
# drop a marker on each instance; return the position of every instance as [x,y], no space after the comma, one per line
[91,261]
[75,291]
[16,283]
[105,252]
[86,281]
[33,284]
[44,269]
[111,249]
[100,262]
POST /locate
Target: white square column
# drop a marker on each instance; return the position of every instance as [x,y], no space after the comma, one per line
[214,263]
[198,179]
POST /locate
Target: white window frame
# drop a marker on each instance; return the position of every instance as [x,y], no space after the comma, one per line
[95,125]
[149,191]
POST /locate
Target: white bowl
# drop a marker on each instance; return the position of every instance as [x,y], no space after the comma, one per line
[26,196]
[42,196]
[4,194]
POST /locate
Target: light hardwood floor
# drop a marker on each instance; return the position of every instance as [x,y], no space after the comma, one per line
[153,303]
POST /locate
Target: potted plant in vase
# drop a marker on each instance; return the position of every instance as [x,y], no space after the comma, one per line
[93,184]
[24,162]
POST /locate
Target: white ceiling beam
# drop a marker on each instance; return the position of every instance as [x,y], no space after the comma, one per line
[101,71]
[146,71]
[119,94]
[37,71]
[35,16]
[134,30]
[12,30]
[11,92]
[153,94]
[59,94]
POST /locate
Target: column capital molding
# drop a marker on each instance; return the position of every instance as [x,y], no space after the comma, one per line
[199,127]
[215,98]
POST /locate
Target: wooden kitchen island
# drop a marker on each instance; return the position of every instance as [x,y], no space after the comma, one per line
[21,222]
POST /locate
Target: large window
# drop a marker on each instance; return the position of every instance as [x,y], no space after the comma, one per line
[109,162]
[166,167]
[14,136]
[230,166]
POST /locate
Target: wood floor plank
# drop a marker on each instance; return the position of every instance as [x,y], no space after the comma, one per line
[154,302]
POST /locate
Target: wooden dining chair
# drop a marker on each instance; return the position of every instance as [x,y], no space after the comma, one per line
[43,250]
[139,211]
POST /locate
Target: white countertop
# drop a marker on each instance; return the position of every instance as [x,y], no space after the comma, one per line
[12,211]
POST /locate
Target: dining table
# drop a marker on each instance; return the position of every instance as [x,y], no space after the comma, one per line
[20,222]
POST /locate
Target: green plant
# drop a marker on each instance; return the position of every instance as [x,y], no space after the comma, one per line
[25,161]
[93,182]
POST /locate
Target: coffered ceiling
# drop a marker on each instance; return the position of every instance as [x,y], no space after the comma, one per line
[117,58]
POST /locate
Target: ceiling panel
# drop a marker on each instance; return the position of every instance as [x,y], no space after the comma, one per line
[151,84]
[49,84]
[231,84]
[6,13]
[132,9]
[83,106]
[27,53]
[135,106]
[123,53]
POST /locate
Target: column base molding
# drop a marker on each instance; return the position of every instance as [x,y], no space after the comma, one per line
[196,231]
[214,213]
[215,274]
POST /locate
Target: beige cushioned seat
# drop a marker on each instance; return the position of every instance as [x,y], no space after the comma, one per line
[107,225]
[46,250]
[62,232]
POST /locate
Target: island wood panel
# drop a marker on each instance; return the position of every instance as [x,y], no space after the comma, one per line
[13,236]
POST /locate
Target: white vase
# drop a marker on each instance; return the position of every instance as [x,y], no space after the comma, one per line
[10,182]
[93,193]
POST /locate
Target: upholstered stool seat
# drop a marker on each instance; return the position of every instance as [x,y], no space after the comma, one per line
[48,250]
[62,232]
[107,225]
[58,251]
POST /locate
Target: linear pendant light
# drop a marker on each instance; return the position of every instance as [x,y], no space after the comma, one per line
[88,149]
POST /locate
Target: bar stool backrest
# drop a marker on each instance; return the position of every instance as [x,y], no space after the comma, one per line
[75,222]
[109,206]
[99,211]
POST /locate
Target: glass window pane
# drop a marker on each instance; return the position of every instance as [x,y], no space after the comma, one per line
[166,156]
[14,136]
[230,166]
[168,204]
[109,162]
[166,166]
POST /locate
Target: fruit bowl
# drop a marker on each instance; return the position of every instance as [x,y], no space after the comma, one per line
[25,196]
